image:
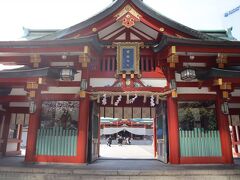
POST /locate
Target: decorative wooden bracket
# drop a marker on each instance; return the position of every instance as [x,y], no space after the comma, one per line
[172,57]
[85,57]
[31,88]
[225,87]
[221,60]
[35,59]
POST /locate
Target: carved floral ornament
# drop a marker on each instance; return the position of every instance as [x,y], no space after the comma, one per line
[128,16]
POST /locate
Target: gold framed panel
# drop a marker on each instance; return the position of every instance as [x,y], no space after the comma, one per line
[134,63]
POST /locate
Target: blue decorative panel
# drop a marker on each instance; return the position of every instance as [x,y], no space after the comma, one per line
[128,59]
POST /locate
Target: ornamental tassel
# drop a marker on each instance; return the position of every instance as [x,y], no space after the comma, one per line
[127,99]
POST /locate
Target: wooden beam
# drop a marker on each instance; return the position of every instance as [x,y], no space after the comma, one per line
[198,97]
[181,48]
[4,99]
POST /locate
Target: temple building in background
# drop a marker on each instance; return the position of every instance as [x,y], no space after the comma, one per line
[127,69]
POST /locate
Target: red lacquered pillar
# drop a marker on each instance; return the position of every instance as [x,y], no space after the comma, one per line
[6,131]
[223,126]
[34,122]
[173,130]
[83,120]
[173,126]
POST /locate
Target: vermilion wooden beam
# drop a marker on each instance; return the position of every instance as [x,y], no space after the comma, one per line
[18,109]
[181,48]
[43,49]
[234,99]
[5,99]
[18,80]
[199,97]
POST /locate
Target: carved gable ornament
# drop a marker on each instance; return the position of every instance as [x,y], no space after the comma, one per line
[128,16]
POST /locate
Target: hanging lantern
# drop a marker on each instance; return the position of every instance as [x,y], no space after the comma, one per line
[84,84]
[32,107]
[173,84]
[188,74]
[225,108]
[67,74]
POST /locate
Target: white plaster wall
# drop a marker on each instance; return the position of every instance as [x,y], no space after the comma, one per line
[18,92]
[193,90]
[101,82]
[62,90]
[62,64]
[234,105]
[19,104]
[236,92]
[11,147]
[154,82]
[194,64]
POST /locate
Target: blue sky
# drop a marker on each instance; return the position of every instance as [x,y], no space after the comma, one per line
[59,14]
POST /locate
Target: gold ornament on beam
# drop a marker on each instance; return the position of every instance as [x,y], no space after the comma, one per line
[32,94]
[128,16]
[218,82]
[221,60]
[82,94]
[225,95]
[226,86]
[172,57]
[35,59]
[174,94]
[85,57]
[32,85]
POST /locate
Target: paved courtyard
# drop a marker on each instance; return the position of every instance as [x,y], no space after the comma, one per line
[137,150]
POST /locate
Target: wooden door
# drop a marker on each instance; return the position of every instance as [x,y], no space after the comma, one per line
[161,132]
[93,132]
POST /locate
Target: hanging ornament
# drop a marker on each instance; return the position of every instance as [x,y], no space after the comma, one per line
[152,103]
[127,102]
[131,101]
[118,100]
[104,100]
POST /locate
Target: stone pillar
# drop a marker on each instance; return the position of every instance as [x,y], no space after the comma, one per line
[223,126]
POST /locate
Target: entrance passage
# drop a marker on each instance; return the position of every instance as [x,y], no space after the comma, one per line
[127,132]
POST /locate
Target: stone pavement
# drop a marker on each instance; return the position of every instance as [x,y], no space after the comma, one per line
[114,168]
[12,168]
[126,152]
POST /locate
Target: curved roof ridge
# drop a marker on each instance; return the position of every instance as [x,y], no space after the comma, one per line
[139,4]
[105,12]
[174,24]
[167,40]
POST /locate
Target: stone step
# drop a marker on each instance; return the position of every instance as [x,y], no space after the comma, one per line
[25,173]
